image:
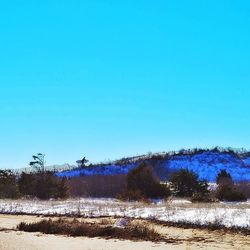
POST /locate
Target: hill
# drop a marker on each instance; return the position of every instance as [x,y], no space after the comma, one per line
[205,162]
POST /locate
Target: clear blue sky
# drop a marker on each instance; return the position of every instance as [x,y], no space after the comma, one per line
[107,79]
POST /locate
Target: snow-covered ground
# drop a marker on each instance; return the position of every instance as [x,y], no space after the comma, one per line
[227,214]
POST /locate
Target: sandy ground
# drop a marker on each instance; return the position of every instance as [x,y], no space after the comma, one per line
[185,239]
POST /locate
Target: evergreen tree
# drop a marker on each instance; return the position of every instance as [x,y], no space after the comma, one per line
[185,183]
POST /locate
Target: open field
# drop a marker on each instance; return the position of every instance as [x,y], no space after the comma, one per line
[158,216]
[183,238]
[228,215]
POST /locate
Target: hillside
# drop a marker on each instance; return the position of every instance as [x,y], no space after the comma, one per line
[206,163]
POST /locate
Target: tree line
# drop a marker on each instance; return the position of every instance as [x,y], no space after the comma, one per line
[142,184]
[139,184]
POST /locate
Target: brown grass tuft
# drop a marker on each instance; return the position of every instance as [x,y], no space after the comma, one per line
[77,228]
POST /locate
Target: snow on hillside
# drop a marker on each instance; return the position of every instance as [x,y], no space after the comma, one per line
[100,170]
[246,161]
[206,164]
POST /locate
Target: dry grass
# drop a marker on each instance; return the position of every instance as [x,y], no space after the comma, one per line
[104,229]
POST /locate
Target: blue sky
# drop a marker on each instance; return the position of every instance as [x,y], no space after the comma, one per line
[107,79]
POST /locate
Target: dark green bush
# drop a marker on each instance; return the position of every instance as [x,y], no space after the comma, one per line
[142,184]
[185,183]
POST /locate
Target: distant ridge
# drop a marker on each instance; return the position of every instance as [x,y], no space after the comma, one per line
[205,162]
[56,168]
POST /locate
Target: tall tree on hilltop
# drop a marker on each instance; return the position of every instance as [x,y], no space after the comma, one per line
[38,162]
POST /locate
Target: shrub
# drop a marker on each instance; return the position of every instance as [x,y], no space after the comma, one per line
[226,190]
[185,183]
[244,187]
[224,178]
[8,185]
[43,185]
[227,193]
[26,184]
[63,188]
[143,184]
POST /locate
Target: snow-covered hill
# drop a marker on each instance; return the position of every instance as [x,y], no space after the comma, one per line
[206,163]
[112,169]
